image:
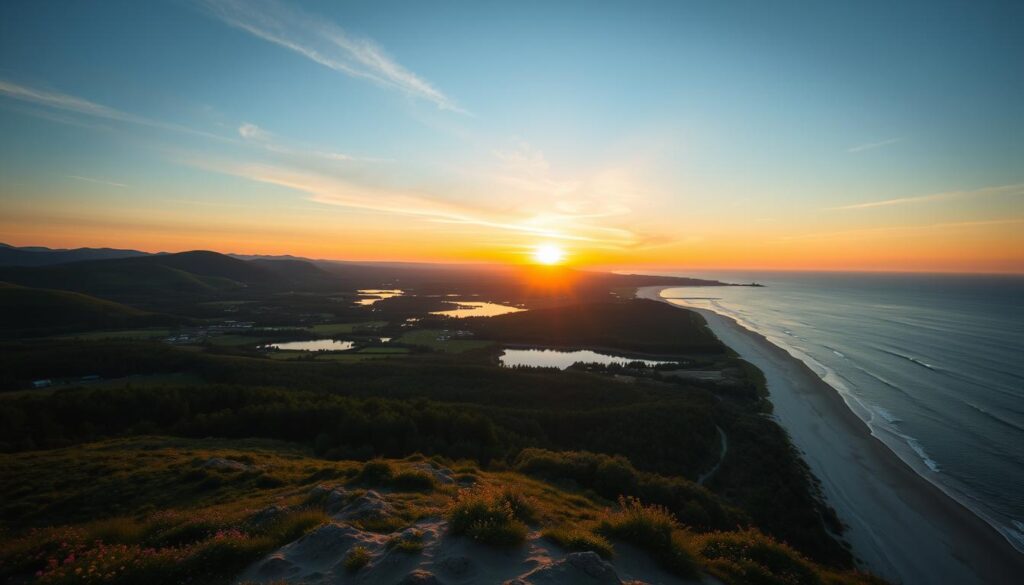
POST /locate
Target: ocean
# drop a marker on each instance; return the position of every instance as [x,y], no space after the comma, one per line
[934,364]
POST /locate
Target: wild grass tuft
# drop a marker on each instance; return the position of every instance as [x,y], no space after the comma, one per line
[413,481]
[357,558]
[375,472]
[654,529]
[491,515]
[576,539]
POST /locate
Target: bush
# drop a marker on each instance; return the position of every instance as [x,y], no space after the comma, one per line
[491,515]
[413,481]
[750,556]
[357,558]
[652,528]
[408,542]
[575,539]
[375,472]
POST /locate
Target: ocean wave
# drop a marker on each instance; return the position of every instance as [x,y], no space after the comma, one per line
[911,359]
[995,417]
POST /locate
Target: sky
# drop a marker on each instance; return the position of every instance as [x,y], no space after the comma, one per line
[755,135]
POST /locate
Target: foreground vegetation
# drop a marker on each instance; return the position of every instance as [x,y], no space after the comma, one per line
[163,510]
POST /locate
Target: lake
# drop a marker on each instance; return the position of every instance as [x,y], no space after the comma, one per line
[313,345]
[477,309]
[562,359]
[372,295]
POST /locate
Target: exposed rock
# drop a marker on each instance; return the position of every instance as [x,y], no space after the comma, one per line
[370,505]
[277,567]
[319,492]
[441,476]
[580,567]
[335,500]
[225,464]
[420,577]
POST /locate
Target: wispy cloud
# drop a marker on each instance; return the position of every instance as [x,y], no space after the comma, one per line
[268,140]
[77,105]
[331,190]
[904,230]
[1017,189]
[873,145]
[325,43]
[98,181]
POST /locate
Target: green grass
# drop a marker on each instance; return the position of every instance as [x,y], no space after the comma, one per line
[491,515]
[357,558]
[575,538]
[339,328]
[148,510]
[428,338]
[148,333]
[384,350]
[654,529]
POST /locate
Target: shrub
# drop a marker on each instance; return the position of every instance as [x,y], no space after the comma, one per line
[654,529]
[408,542]
[357,558]
[575,539]
[375,472]
[750,556]
[491,515]
[413,481]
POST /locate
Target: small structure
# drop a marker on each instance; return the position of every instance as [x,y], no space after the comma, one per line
[45,383]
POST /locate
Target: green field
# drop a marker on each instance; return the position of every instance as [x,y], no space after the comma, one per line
[338,328]
[429,338]
[152,333]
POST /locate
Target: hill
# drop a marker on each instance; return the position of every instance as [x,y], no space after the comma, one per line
[192,275]
[42,256]
[162,510]
[25,309]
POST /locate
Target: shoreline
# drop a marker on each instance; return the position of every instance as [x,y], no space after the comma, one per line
[900,525]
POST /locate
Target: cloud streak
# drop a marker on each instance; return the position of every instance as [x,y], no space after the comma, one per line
[69,103]
[873,145]
[1016,189]
[97,181]
[326,44]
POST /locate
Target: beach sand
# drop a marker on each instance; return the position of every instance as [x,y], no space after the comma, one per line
[900,526]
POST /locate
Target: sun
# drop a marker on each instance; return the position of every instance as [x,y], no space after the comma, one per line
[548,254]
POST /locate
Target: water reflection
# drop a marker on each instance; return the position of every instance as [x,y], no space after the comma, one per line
[313,345]
[372,295]
[555,358]
[477,309]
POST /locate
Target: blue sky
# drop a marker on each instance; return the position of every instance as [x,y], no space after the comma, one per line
[688,133]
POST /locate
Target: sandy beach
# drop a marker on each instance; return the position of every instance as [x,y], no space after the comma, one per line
[900,526]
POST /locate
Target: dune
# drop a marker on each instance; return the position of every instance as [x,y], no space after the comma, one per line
[900,526]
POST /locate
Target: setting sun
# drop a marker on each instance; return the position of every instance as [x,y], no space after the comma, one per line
[548,254]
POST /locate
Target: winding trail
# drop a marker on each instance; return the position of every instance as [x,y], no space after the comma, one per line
[723,439]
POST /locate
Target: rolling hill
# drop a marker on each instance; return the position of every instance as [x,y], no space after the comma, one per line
[24,309]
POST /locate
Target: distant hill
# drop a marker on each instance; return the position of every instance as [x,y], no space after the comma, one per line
[24,309]
[41,256]
[187,274]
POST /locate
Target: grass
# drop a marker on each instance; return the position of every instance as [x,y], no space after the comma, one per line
[410,542]
[577,539]
[339,328]
[654,529]
[149,333]
[428,338]
[357,558]
[491,515]
[147,510]
[413,481]
[385,350]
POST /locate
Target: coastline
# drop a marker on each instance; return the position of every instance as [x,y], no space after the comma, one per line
[899,525]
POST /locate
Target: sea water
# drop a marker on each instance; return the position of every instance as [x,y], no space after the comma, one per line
[934,364]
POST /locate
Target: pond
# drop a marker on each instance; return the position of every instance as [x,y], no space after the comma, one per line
[372,295]
[476,309]
[562,359]
[312,345]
